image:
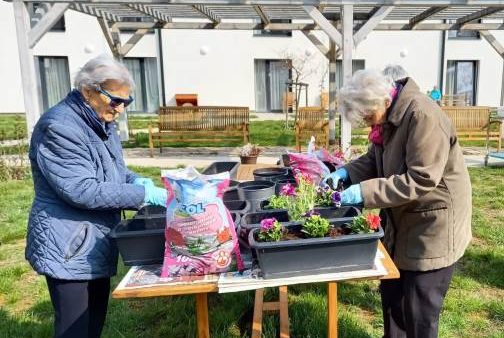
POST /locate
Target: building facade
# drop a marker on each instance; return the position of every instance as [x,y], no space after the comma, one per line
[245,68]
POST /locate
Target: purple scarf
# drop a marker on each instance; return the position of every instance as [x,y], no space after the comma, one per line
[375,135]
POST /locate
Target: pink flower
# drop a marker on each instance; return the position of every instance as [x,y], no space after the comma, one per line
[373,221]
[268,224]
[288,190]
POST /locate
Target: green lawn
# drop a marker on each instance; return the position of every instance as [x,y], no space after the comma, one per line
[474,306]
[12,126]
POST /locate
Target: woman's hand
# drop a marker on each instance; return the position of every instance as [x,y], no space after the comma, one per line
[339,175]
[143,181]
[352,195]
[155,195]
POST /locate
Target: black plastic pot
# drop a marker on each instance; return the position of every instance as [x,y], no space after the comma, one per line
[151,211]
[270,174]
[312,256]
[255,192]
[282,182]
[141,241]
[231,194]
[219,167]
[252,220]
[240,207]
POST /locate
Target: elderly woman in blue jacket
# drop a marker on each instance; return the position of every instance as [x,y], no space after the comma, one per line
[81,184]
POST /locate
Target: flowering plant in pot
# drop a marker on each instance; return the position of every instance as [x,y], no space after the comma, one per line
[249,153]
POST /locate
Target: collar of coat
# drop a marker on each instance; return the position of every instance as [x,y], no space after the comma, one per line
[405,97]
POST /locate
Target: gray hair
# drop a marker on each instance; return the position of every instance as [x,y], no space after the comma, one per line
[100,69]
[394,72]
[367,90]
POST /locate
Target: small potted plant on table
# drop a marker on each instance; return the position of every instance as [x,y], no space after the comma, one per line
[249,153]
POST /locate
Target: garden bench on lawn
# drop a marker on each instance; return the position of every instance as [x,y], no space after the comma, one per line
[312,121]
[474,123]
[200,124]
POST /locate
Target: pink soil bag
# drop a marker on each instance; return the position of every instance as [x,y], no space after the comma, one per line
[200,233]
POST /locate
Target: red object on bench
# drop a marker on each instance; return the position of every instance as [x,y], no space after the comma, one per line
[186,99]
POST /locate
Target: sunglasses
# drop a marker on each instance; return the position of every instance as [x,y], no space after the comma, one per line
[114,100]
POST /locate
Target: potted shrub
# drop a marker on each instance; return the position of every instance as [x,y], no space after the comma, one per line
[315,245]
[249,153]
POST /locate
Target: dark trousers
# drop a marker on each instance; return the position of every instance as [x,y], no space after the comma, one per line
[412,304]
[80,307]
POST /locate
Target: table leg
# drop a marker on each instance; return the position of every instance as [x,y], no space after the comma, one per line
[258,314]
[202,315]
[332,310]
[284,312]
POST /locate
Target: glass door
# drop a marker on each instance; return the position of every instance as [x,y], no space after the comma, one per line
[270,79]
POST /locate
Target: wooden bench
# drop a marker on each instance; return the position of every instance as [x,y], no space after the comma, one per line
[312,121]
[200,124]
[473,123]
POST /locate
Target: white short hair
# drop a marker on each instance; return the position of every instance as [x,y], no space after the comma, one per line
[367,90]
[394,72]
[101,69]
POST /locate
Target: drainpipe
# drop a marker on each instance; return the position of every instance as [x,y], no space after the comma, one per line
[442,57]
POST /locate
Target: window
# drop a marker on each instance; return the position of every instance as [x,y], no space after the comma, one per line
[54,79]
[38,10]
[469,35]
[267,32]
[146,94]
[461,80]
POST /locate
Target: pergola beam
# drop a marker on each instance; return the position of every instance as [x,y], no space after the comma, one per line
[317,43]
[490,38]
[324,24]
[478,15]
[111,38]
[139,34]
[307,2]
[264,18]
[371,24]
[348,46]
[46,23]
[305,26]
[414,21]
[155,14]
[205,12]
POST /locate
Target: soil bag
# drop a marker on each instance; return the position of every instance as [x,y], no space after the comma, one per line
[200,233]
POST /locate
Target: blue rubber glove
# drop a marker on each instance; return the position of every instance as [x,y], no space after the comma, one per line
[155,195]
[143,181]
[352,195]
[339,175]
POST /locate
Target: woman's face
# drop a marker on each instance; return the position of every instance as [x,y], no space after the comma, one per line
[376,116]
[101,102]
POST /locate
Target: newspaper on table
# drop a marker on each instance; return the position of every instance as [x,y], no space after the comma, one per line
[250,279]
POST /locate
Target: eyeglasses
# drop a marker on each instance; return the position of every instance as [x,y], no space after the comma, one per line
[115,101]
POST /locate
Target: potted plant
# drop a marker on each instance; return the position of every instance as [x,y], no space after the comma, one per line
[249,153]
[315,245]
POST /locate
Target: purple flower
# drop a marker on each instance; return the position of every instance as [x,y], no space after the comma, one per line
[268,223]
[311,213]
[288,190]
[336,198]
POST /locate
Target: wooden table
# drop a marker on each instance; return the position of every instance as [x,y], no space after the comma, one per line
[201,290]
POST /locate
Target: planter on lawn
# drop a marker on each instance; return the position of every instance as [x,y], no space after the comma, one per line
[311,256]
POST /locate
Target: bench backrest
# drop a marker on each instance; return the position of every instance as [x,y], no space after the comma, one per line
[468,118]
[311,117]
[202,118]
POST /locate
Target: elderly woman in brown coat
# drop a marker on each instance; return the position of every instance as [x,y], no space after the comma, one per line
[414,171]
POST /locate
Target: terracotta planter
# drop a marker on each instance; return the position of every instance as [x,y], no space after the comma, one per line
[248,159]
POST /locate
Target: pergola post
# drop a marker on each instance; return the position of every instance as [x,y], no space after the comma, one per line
[31,89]
[346,127]
[332,91]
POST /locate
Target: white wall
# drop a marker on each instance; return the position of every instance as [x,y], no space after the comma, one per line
[225,75]
[81,31]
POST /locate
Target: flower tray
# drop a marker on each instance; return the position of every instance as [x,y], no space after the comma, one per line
[312,256]
[141,241]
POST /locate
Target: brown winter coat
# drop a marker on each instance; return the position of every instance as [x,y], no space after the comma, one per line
[419,178]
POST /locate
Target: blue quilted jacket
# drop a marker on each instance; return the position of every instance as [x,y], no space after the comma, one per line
[81,184]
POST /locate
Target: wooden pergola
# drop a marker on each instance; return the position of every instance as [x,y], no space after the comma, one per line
[346,23]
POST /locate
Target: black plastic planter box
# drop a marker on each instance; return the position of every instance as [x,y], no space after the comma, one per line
[313,256]
[252,220]
[141,241]
[219,167]
[151,211]
[239,207]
